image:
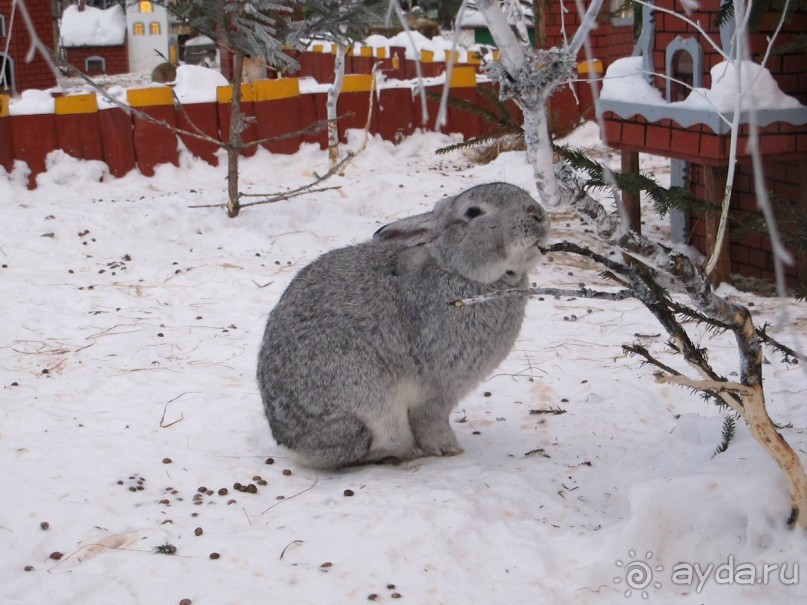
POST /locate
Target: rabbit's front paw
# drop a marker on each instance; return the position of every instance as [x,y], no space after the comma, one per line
[443,443]
[445,449]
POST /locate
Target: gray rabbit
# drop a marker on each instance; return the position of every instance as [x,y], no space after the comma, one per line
[364,358]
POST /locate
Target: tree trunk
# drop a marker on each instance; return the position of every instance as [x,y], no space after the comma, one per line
[715,188]
[234,144]
[539,153]
[333,99]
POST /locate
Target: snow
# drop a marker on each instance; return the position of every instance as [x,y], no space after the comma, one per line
[196,84]
[134,324]
[376,41]
[760,90]
[118,93]
[414,42]
[93,26]
[624,81]
[32,101]
[199,40]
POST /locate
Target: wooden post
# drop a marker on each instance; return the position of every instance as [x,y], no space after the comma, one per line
[630,163]
[715,186]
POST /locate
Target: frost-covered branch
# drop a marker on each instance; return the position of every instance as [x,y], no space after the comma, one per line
[512,53]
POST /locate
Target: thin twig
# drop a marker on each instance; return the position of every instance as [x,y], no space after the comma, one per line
[289,545]
[553,292]
[279,502]
[181,415]
[276,198]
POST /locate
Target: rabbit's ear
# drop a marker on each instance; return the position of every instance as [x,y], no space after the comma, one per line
[414,230]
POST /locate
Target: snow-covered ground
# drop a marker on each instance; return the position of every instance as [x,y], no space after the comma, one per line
[127,360]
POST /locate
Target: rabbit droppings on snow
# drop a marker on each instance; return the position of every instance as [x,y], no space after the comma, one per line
[363,358]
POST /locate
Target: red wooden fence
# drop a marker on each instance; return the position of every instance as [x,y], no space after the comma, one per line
[126,141]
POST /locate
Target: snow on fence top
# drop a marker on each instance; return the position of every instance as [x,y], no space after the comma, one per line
[93,26]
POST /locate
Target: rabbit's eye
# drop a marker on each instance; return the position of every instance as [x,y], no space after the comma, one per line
[473,212]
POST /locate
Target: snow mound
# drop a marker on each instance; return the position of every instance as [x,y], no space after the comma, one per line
[93,26]
[199,40]
[624,81]
[196,84]
[759,89]
[32,101]
[414,42]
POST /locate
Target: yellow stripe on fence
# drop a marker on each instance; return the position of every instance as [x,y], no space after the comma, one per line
[76,104]
[271,90]
[224,94]
[462,77]
[357,83]
[149,97]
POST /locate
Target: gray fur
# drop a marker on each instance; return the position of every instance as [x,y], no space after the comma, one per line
[363,358]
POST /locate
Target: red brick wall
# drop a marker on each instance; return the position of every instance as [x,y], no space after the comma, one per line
[608,42]
[790,71]
[35,74]
[750,253]
[116,57]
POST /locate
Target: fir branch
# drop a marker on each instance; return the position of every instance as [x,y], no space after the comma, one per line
[166,548]
[499,116]
[788,353]
[729,425]
[472,142]
[551,411]
[791,219]
[796,46]
[640,351]
[664,199]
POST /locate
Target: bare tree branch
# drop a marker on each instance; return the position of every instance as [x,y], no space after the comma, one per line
[553,292]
